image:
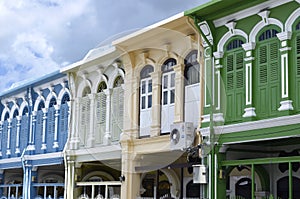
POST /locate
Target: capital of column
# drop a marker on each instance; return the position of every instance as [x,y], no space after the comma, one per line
[57,107]
[34,113]
[19,118]
[249,46]
[45,110]
[179,68]
[282,36]
[156,76]
[218,55]
[92,96]
[108,91]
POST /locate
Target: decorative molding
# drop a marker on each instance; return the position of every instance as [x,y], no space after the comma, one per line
[249,12]
[260,25]
[249,46]
[282,36]
[292,18]
[218,55]
[249,112]
[285,49]
[228,35]
[264,16]
[207,32]
[286,105]
[231,26]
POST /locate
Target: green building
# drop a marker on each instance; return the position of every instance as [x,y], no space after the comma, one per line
[251,85]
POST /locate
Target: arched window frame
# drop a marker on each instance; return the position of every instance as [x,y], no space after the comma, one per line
[192,68]
[146,87]
[267,72]
[233,75]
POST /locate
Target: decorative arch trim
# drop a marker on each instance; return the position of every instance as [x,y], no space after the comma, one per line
[5,110]
[37,102]
[98,173]
[228,35]
[261,25]
[13,109]
[61,95]
[291,20]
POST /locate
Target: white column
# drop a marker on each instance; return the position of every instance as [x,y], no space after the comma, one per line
[44,145]
[55,143]
[8,152]
[74,135]
[19,118]
[249,111]
[107,135]
[156,104]
[286,103]
[31,146]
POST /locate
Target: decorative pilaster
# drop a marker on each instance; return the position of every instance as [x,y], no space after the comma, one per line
[285,103]
[56,116]
[19,118]
[31,146]
[70,180]
[44,145]
[218,115]
[8,151]
[74,140]
[179,93]
[156,103]
[91,134]
[249,110]
[107,135]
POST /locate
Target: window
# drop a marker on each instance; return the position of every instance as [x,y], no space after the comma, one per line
[192,68]
[38,136]
[146,87]
[63,122]
[145,100]
[117,109]
[233,74]
[24,129]
[100,113]
[267,68]
[295,87]
[86,91]
[168,95]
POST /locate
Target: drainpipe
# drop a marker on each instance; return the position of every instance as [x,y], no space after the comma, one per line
[213,179]
[24,174]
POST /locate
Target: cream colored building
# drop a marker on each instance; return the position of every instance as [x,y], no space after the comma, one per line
[162,94]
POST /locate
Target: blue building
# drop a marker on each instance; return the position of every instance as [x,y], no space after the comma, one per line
[33,131]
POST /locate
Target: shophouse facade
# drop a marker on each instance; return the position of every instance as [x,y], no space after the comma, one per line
[162,109]
[251,104]
[33,130]
[93,152]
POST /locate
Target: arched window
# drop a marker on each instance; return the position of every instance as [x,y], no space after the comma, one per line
[39,128]
[192,68]
[24,131]
[295,87]
[145,100]
[100,113]
[192,190]
[101,87]
[117,109]
[86,91]
[51,125]
[118,81]
[6,116]
[233,74]
[63,122]
[168,95]
[192,87]
[267,98]
[13,134]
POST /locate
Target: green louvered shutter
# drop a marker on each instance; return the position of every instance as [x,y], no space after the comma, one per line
[234,62]
[274,77]
[268,84]
[262,74]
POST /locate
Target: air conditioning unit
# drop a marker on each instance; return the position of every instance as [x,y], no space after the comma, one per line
[182,135]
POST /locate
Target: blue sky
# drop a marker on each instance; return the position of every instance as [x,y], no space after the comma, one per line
[40,36]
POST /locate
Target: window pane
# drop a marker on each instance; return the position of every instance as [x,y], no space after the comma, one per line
[172,100]
[143,87]
[149,101]
[143,102]
[150,86]
[165,97]
[165,81]
[172,79]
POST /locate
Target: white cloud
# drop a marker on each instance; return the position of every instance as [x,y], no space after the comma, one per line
[39,36]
